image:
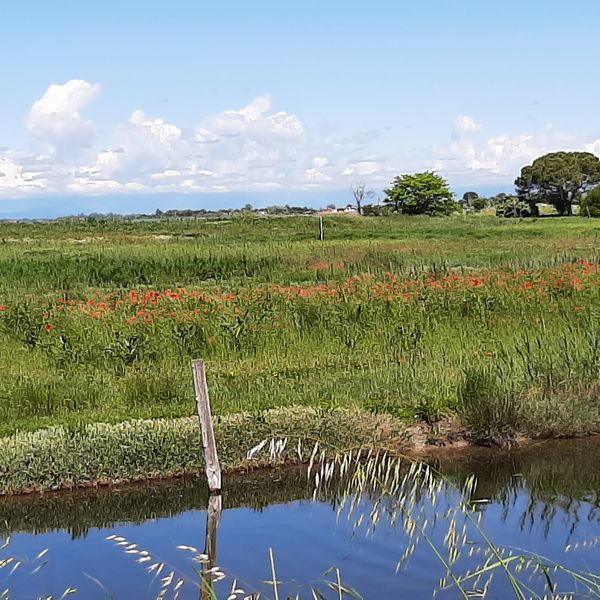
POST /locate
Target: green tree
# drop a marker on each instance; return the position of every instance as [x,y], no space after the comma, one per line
[469,197]
[559,178]
[420,194]
[590,204]
[472,202]
[479,204]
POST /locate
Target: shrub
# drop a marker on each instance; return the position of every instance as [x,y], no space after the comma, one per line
[590,205]
[512,207]
[479,204]
[374,210]
[490,410]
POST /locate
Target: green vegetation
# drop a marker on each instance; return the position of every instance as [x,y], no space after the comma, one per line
[101,453]
[421,194]
[512,207]
[590,204]
[416,317]
[559,178]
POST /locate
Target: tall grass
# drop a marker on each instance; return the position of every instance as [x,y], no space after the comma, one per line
[413,317]
[447,521]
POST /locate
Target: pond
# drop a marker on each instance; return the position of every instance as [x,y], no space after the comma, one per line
[541,500]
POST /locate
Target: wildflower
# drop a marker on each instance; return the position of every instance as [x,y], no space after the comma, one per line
[48,328]
[476,281]
[576,283]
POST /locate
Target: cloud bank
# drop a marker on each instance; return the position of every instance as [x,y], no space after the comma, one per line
[247,149]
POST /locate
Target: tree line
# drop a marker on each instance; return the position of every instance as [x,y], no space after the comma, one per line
[560,179]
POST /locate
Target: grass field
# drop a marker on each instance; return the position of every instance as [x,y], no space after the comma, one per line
[497,320]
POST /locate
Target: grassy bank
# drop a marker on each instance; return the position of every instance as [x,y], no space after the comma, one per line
[98,453]
[494,320]
[575,464]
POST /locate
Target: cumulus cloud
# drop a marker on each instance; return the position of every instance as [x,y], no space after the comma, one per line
[141,146]
[497,159]
[246,149]
[252,148]
[56,118]
[14,177]
[253,121]
[464,124]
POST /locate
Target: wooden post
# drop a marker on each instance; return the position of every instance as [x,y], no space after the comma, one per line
[211,459]
[321,230]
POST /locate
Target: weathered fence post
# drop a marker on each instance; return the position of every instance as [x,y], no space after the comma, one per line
[321,229]
[211,459]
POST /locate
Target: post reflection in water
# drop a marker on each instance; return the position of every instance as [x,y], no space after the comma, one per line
[213,518]
[544,498]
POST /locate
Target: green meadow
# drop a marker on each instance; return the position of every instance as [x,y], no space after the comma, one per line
[493,320]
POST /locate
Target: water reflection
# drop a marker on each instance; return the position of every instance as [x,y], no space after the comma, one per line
[557,480]
[543,498]
[560,479]
[79,510]
[213,519]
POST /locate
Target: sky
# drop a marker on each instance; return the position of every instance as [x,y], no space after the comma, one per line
[131,106]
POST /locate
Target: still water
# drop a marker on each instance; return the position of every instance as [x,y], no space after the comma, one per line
[541,499]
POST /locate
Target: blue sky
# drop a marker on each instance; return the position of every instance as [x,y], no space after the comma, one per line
[191,103]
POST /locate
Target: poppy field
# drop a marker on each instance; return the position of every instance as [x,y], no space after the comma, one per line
[497,322]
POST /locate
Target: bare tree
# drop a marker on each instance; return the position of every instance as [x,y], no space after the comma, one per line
[359,191]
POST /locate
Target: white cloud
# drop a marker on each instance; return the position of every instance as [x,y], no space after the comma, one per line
[157,128]
[233,150]
[253,148]
[56,119]
[14,178]
[245,149]
[141,146]
[464,124]
[252,121]
[498,159]
[593,147]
